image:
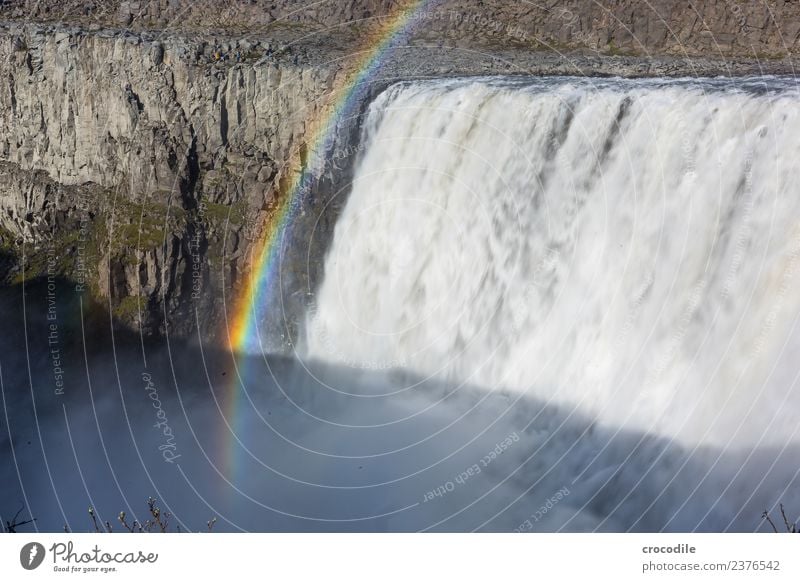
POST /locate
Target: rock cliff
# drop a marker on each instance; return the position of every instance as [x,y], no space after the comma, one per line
[146,163]
[695,27]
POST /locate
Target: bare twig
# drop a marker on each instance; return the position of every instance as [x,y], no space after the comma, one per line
[26,522]
[156,513]
[121,518]
[766,516]
[94,519]
[159,520]
[791,528]
[11,526]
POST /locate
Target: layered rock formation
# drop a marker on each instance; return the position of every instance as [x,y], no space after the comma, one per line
[695,27]
[168,159]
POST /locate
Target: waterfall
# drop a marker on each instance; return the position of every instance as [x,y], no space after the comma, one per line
[624,249]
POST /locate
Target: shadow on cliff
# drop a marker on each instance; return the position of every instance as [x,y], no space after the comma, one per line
[107,419]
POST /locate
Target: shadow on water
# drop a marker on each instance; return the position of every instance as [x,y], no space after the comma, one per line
[275,444]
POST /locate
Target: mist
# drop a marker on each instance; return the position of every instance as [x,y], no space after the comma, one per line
[315,447]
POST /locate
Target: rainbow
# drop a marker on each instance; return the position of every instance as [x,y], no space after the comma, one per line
[243,333]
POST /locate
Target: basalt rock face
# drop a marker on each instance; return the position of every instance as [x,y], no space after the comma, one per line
[194,14]
[721,28]
[147,167]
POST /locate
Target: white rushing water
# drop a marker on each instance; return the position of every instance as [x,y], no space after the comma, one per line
[624,249]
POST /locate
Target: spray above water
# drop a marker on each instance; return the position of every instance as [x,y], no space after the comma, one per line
[627,249]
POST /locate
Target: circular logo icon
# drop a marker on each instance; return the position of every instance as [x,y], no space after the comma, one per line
[31,555]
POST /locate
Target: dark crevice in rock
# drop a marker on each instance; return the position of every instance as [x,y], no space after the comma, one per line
[223,121]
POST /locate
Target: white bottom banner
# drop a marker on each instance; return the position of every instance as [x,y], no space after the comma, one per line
[371,557]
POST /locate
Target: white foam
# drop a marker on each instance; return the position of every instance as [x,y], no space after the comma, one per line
[627,248]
